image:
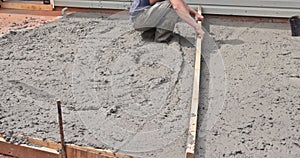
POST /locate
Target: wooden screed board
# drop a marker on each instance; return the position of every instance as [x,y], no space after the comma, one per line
[195,100]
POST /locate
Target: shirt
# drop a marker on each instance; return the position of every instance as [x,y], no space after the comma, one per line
[137,7]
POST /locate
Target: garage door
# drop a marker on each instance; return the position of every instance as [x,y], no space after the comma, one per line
[268,8]
[107,4]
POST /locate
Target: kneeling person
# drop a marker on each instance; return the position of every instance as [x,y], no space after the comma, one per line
[156,19]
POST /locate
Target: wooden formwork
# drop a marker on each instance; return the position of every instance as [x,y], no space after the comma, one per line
[49,149]
[26,5]
[26,151]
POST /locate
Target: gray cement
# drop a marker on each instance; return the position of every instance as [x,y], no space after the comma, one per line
[259,113]
[133,96]
[117,91]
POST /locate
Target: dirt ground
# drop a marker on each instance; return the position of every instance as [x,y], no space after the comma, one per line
[250,81]
[18,20]
[3,156]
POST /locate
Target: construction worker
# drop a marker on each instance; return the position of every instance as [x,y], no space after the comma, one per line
[156,19]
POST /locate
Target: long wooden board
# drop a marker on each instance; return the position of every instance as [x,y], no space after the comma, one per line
[25,151]
[26,6]
[75,151]
[195,100]
[48,149]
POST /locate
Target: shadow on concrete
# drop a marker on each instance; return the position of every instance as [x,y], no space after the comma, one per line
[200,146]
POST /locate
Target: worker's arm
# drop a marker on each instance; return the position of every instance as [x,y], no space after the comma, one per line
[197,16]
[184,13]
[153,1]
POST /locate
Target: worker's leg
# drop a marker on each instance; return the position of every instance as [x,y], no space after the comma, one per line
[159,16]
[164,29]
[151,16]
[149,34]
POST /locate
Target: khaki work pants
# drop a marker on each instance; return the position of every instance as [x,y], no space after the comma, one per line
[157,22]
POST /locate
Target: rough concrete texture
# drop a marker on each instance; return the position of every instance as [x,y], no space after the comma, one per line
[132,96]
[260,113]
[117,91]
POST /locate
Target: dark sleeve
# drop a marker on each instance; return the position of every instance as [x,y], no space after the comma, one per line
[144,3]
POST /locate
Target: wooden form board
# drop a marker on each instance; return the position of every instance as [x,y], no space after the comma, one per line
[26,5]
[75,151]
[25,151]
[49,149]
[195,100]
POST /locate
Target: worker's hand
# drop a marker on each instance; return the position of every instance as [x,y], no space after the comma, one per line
[199,17]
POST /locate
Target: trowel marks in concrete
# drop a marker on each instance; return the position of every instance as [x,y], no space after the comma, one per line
[118,92]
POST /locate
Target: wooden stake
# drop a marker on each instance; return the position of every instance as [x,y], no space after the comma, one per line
[61,130]
[195,100]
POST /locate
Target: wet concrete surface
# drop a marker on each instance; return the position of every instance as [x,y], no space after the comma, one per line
[249,87]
